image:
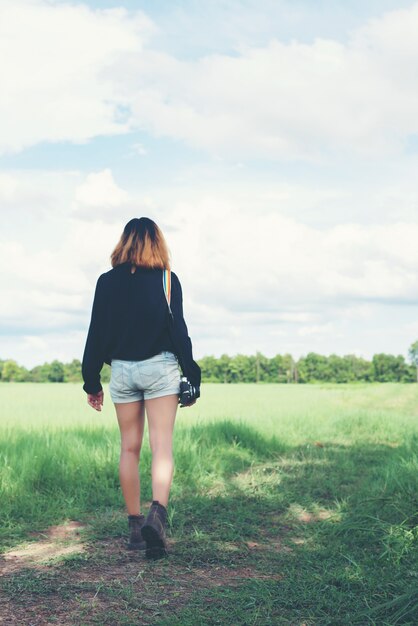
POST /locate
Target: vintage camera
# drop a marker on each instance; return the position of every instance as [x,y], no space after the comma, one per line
[188,393]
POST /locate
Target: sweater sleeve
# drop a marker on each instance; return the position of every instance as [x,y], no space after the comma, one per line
[93,358]
[190,368]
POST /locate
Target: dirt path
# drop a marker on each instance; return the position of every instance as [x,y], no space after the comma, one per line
[61,578]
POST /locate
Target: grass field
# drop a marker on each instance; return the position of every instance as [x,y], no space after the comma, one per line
[290,505]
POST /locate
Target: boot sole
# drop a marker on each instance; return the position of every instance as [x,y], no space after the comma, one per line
[156,548]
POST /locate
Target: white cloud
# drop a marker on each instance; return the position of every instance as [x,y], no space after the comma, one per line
[272,263]
[292,264]
[8,187]
[40,289]
[99,191]
[31,350]
[52,62]
[249,282]
[319,329]
[281,100]
[286,101]
[264,269]
[34,342]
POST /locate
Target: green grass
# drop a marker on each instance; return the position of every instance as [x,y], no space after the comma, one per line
[289,505]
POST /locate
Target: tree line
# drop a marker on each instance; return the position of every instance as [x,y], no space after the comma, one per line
[241,368]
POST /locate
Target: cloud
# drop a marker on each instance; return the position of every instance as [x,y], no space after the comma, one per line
[265,268]
[99,195]
[30,350]
[281,100]
[268,259]
[250,282]
[8,187]
[26,193]
[286,100]
[274,263]
[52,61]
[40,289]
[328,328]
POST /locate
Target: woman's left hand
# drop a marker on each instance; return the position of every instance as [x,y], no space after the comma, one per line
[96,400]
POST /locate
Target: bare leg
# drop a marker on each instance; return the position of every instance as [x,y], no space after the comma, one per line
[161,415]
[131,418]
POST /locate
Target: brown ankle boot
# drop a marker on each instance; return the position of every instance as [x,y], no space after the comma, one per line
[153,531]
[136,541]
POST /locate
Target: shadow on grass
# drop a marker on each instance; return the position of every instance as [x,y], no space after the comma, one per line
[332,527]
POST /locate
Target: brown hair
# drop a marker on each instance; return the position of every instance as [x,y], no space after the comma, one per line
[142,244]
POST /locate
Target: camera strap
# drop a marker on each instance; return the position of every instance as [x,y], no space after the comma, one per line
[167,288]
[171,324]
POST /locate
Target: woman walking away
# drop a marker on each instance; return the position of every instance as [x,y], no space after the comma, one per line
[137,327]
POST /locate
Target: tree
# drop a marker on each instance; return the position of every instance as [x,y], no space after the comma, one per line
[360,368]
[278,369]
[11,371]
[56,372]
[72,371]
[224,363]
[413,356]
[389,368]
[292,374]
[208,365]
[241,369]
[313,368]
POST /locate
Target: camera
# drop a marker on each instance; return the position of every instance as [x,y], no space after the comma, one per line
[188,393]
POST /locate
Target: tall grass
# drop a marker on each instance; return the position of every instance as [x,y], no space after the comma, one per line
[334,466]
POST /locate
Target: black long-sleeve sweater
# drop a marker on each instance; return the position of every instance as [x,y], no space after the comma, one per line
[130,321]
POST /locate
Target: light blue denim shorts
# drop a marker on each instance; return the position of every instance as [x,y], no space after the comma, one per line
[142,380]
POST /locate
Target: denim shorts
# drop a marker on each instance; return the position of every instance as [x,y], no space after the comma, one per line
[142,380]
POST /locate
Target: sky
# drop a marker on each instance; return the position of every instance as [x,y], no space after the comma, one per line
[275,142]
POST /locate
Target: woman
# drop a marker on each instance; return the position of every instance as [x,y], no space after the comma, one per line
[130,331]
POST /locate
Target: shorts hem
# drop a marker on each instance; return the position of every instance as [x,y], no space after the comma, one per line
[160,394]
[125,400]
[148,396]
